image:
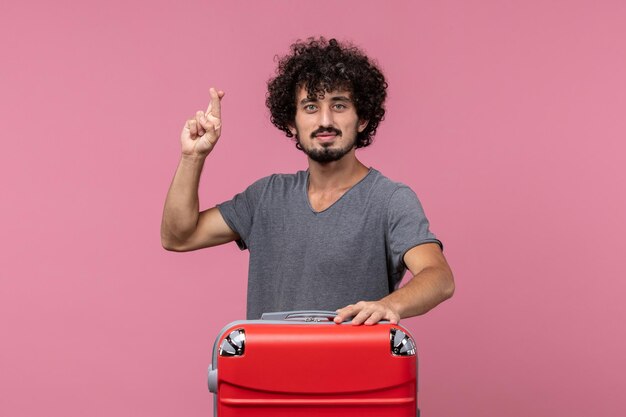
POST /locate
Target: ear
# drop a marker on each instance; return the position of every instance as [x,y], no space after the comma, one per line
[292,129]
[362,125]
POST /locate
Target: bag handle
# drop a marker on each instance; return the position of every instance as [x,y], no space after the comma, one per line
[303,315]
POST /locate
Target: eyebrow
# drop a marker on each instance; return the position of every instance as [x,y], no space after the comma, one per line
[307,100]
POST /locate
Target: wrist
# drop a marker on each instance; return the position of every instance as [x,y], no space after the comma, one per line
[393,305]
[192,158]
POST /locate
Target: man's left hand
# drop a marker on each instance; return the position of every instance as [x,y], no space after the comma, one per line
[368,313]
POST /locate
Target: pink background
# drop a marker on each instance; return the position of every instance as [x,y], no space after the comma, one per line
[507,118]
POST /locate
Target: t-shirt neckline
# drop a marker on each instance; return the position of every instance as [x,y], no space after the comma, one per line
[306,191]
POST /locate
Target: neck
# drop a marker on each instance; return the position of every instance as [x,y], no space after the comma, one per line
[340,174]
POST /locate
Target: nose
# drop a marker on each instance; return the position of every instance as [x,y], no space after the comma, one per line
[326,117]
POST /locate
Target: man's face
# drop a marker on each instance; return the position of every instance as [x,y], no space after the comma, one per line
[326,126]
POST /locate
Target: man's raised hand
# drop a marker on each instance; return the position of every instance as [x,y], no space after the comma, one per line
[202,131]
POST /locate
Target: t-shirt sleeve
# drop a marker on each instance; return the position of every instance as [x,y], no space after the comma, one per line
[407,227]
[238,213]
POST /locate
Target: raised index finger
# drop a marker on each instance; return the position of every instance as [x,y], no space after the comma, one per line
[214,108]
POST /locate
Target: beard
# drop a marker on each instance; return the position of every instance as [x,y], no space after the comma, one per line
[327,153]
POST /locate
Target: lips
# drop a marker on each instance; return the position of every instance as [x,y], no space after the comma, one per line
[325,137]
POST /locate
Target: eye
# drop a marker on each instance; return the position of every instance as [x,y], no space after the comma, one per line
[340,106]
[310,108]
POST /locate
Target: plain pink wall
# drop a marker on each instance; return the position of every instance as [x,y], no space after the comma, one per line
[507,118]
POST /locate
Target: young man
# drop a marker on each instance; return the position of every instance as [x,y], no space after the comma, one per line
[338,236]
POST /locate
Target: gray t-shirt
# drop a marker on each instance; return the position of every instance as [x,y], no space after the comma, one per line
[306,260]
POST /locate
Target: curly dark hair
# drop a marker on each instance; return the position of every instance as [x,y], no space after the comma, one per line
[322,66]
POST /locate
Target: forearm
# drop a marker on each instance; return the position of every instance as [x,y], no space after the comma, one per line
[423,292]
[180,214]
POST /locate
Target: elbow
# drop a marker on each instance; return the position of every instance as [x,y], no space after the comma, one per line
[170,240]
[171,245]
[448,290]
[168,246]
[173,248]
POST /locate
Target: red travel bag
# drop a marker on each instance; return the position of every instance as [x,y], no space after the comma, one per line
[300,364]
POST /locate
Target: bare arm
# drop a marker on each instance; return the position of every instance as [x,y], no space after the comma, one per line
[432,283]
[183,226]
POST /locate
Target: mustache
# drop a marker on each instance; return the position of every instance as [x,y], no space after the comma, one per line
[325,130]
